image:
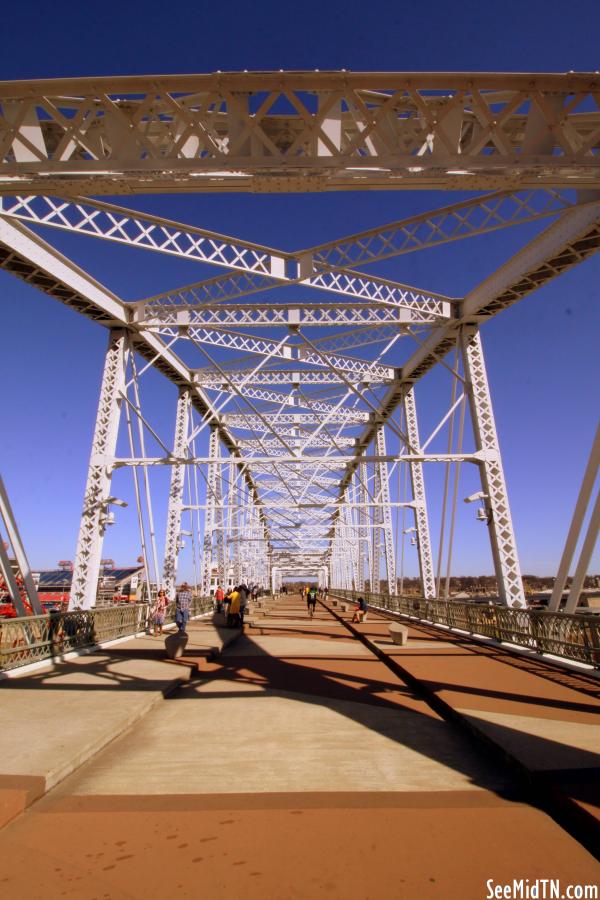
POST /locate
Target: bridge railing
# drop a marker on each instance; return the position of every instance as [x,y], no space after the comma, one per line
[34,638]
[573,637]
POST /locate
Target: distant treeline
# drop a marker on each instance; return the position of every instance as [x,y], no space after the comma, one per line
[485,584]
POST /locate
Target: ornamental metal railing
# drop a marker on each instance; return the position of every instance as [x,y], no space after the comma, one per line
[572,637]
[34,638]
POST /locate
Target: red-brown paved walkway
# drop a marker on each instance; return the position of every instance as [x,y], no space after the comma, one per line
[545,719]
[295,766]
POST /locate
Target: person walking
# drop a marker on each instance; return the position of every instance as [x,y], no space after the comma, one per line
[311,600]
[243,592]
[183,602]
[219,597]
[233,613]
[159,612]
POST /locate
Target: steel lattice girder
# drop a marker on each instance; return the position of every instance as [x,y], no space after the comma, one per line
[294,377]
[318,406]
[91,532]
[272,348]
[175,504]
[282,456]
[268,315]
[343,416]
[294,440]
[258,268]
[298,131]
[254,267]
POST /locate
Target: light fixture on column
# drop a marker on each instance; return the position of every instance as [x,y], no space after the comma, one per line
[411,531]
[483,513]
[180,541]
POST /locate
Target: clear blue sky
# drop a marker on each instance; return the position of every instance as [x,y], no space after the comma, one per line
[542,354]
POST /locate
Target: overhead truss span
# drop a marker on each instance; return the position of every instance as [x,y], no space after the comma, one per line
[299,131]
[297,442]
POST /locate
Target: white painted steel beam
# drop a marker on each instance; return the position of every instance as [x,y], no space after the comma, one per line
[419,495]
[502,538]
[334,462]
[344,416]
[288,377]
[11,582]
[86,569]
[270,315]
[175,503]
[386,513]
[585,556]
[14,536]
[581,506]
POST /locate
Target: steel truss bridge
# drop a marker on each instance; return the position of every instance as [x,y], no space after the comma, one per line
[296,421]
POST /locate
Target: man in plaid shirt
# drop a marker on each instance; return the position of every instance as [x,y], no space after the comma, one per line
[183,602]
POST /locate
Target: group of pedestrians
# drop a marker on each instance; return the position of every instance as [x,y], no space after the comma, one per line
[183,604]
[235,601]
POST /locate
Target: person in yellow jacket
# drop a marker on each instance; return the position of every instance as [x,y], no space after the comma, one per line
[233,616]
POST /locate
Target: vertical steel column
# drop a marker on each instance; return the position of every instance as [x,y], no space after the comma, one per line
[377,550]
[502,539]
[10,580]
[209,518]
[180,450]
[247,544]
[236,529]
[86,569]
[361,517]
[263,563]
[584,559]
[255,539]
[583,500]
[418,489]
[219,522]
[386,514]
[352,544]
[10,523]
[232,545]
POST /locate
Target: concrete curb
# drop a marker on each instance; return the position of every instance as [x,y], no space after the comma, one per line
[87,753]
[54,777]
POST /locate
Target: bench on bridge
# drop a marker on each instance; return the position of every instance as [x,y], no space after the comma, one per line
[399,633]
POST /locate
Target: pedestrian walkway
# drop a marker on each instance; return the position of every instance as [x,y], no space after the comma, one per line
[296,764]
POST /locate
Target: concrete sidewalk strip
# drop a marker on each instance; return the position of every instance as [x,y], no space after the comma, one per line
[280,713]
[53,721]
[334,745]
